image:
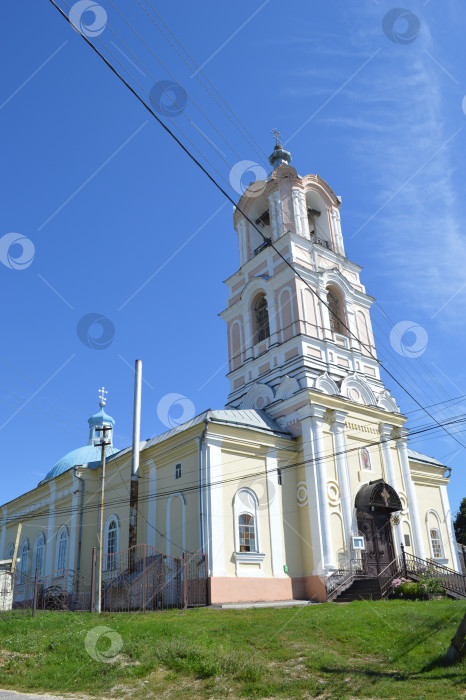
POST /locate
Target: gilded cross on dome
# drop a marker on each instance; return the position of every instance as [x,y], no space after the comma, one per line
[385,495]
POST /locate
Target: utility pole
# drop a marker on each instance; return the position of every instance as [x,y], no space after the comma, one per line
[104,441]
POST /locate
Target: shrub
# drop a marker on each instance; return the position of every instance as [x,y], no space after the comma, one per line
[417,590]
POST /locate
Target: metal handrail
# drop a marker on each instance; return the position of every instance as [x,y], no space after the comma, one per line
[343,577]
[451,579]
[388,575]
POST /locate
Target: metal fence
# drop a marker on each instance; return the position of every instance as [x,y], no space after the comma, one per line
[137,579]
[142,578]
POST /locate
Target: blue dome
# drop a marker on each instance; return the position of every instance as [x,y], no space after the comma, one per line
[89,455]
[100,418]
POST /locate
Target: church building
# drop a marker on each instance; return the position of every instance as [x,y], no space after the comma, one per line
[307,467]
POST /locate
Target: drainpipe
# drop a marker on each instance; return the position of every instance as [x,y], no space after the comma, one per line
[134,493]
[78,563]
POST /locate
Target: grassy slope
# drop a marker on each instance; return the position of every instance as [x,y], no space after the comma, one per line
[384,649]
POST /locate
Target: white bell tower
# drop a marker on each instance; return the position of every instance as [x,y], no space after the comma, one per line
[282,338]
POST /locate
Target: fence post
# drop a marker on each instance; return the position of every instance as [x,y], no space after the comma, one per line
[36,581]
[185,582]
[403,556]
[94,558]
[144,578]
[207,580]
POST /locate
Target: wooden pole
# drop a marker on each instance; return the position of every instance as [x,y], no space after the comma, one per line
[94,557]
[457,647]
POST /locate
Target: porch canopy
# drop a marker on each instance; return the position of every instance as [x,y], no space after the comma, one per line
[378,495]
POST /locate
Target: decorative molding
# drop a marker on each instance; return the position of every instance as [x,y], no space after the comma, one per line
[257,391]
[355,388]
[326,384]
[287,388]
[333,493]
[301,494]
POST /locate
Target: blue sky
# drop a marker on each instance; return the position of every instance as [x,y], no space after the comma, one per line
[124,226]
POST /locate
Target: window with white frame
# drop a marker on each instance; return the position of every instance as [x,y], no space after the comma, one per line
[38,554]
[62,551]
[436,543]
[177,471]
[246,524]
[247,533]
[23,561]
[111,543]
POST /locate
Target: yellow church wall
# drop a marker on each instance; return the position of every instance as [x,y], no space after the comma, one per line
[431,514]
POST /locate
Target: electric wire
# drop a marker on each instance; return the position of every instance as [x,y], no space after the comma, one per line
[194,487]
[266,240]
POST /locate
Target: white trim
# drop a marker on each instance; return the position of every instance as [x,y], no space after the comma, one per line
[455,560]
[50,531]
[274,497]
[442,559]
[411,497]
[216,538]
[249,558]
[40,534]
[111,518]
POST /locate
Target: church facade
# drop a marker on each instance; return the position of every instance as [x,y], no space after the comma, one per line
[307,466]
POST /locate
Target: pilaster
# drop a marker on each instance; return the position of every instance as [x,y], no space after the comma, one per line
[275,514]
[346,497]
[419,550]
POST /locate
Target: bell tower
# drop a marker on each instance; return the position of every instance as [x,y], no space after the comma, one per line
[285,335]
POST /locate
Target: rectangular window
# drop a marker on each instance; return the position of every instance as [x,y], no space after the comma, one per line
[407,541]
[177,471]
[279,477]
[436,543]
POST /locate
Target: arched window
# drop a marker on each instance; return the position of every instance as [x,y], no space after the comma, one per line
[247,533]
[62,551]
[436,543]
[38,554]
[23,561]
[111,543]
[335,312]
[245,510]
[10,551]
[261,319]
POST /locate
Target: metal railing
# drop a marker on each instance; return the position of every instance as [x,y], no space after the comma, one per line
[388,575]
[142,578]
[450,579]
[342,578]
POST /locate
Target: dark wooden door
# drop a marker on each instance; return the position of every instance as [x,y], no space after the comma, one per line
[377,533]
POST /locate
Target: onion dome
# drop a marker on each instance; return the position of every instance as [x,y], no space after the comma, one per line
[89,455]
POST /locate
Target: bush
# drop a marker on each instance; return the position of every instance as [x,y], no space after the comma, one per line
[417,590]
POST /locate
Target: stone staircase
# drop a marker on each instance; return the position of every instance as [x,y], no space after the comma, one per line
[360,589]
[352,582]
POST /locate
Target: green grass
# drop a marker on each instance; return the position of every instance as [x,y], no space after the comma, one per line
[382,649]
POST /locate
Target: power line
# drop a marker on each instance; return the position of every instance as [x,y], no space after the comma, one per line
[195,486]
[265,239]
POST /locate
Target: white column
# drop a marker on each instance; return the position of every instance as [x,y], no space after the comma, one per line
[50,532]
[275,514]
[322,291]
[455,560]
[344,481]
[242,242]
[412,499]
[336,224]
[316,480]
[215,541]
[385,438]
[273,317]
[74,523]
[3,540]
[276,215]
[151,504]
